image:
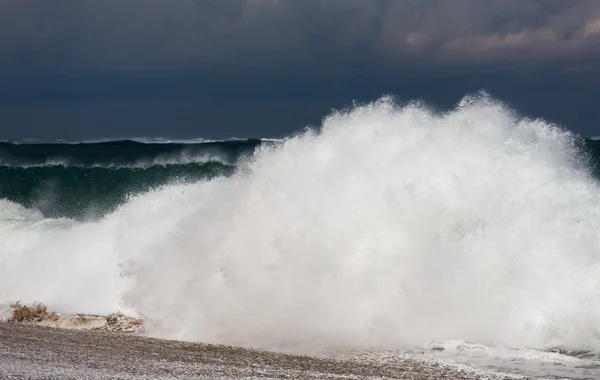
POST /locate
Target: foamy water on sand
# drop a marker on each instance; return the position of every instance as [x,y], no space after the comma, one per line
[391,228]
[35,352]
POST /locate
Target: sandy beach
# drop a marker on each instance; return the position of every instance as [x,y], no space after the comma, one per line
[34,352]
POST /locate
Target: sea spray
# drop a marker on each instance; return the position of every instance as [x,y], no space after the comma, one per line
[390,226]
[68,265]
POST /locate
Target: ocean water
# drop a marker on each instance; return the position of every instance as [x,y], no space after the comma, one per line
[470,236]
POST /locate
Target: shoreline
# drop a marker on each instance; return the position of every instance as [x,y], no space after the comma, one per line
[38,352]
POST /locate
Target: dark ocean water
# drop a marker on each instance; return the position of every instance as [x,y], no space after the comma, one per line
[82,180]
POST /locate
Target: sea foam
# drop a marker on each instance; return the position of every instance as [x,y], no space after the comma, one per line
[389,226]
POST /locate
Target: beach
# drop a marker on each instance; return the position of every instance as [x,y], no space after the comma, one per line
[34,352]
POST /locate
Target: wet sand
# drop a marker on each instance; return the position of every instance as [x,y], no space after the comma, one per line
[34,352]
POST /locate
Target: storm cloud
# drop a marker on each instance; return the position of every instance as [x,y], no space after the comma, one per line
[285,34]
[115,51]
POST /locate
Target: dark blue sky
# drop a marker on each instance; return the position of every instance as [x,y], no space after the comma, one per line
[220,68]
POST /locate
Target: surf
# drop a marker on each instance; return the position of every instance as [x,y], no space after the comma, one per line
[390,226]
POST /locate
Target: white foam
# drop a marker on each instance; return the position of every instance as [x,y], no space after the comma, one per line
[473,350]
[182,157]
[5,312]
[393,226]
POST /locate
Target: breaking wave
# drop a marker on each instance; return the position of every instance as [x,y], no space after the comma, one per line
[390,226]
[82,193]
[92,179]
[138,153]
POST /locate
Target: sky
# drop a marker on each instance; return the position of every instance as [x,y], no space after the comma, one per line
[84,69]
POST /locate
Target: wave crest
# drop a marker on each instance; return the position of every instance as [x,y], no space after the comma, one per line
[389,226]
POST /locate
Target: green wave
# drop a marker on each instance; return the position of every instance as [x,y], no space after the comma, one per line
[88,192]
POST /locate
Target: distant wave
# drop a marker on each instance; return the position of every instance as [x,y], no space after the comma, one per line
[140,164]
[81,192]
[126,153]
[92,179]
[142,140]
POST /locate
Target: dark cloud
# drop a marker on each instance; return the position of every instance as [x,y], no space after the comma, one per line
[333,35]
[216,68]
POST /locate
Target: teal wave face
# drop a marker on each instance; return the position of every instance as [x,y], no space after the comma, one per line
[88,180]
[591,148]
[84,192]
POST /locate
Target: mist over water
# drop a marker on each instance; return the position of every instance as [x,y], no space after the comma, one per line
[389,227]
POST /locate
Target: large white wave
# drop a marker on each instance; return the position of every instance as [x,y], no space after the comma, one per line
[389,226]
